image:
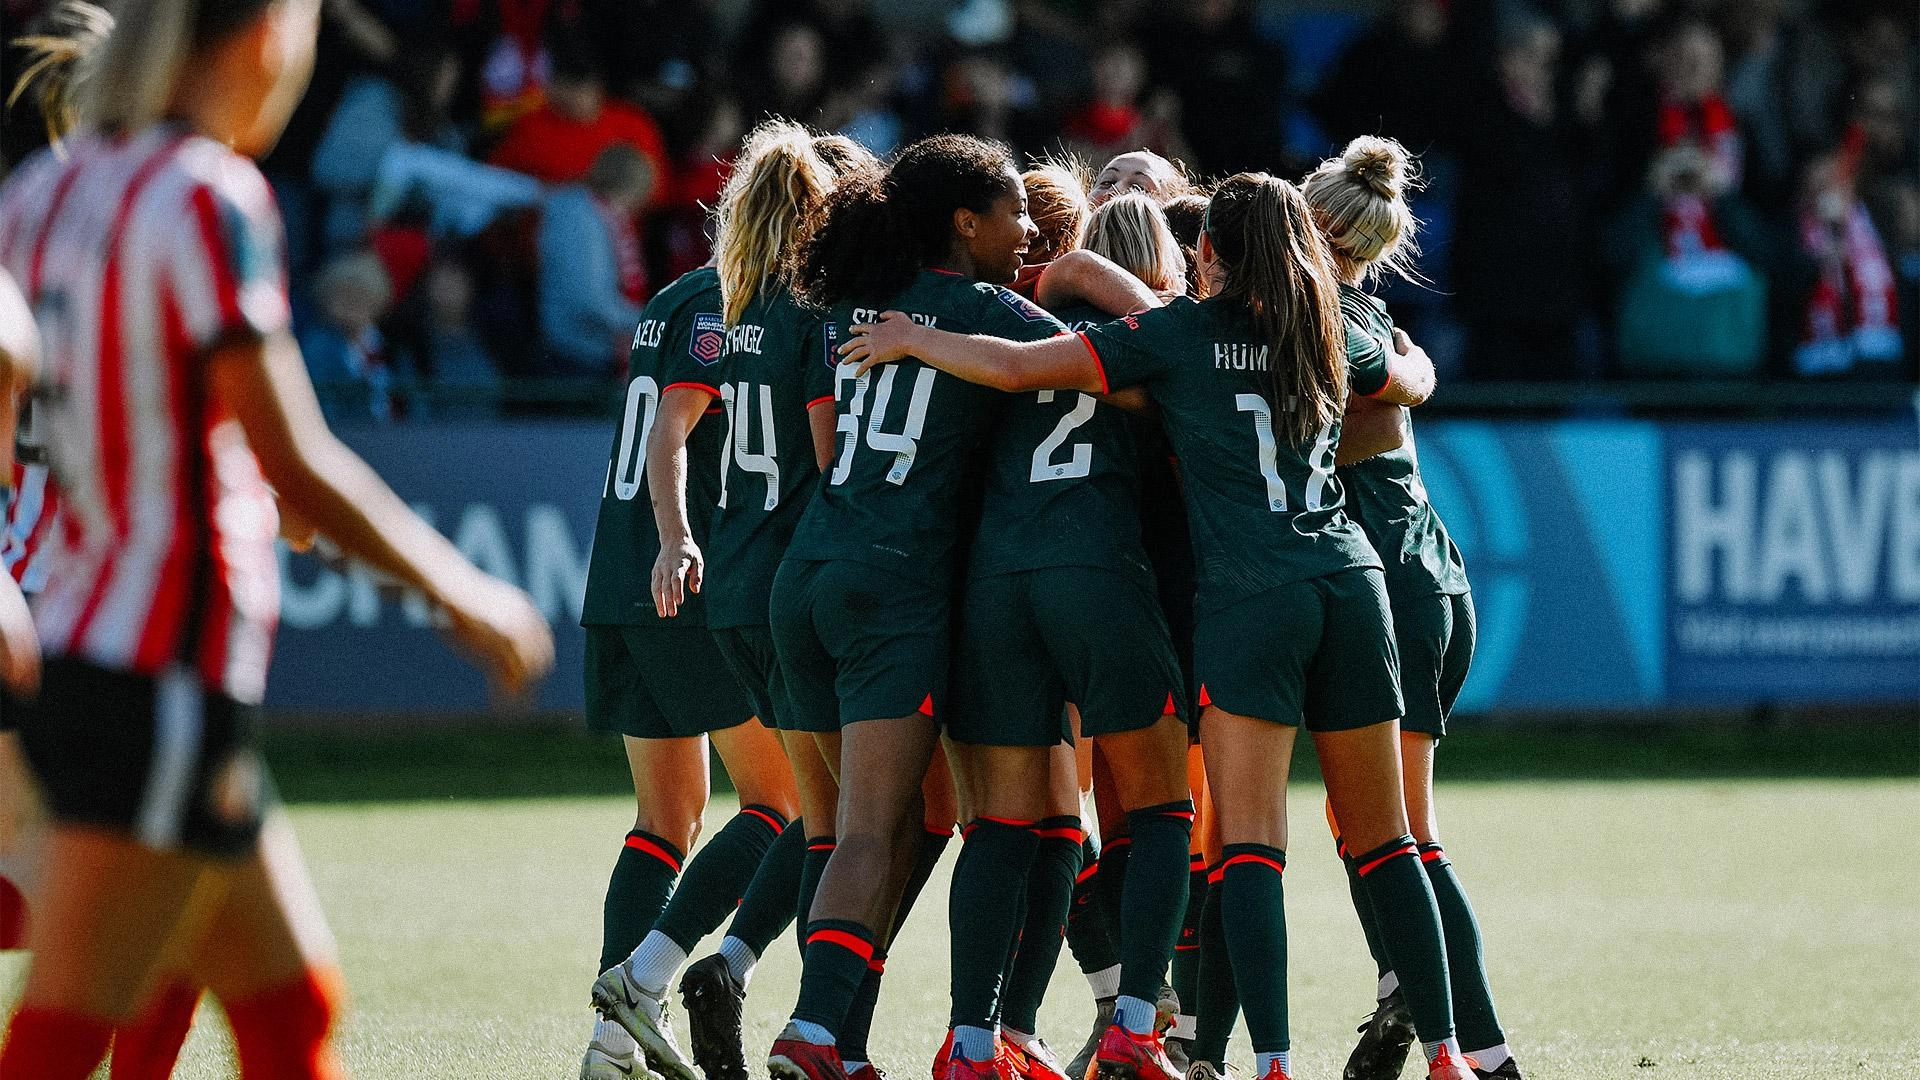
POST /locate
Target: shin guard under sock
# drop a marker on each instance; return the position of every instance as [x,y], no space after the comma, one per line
[718,875]
[985,913]
[1056,862]
[1362,907]
[1186,954]
[1217,1008]
[52,1044]
[636,894]
[1253,912]
[859,1024]
[767,906]
[1473,1012]
[1409,921]
[282,1033]
[812,865]
[148,1046]
[1093,948]
[1155,900]
[837,955]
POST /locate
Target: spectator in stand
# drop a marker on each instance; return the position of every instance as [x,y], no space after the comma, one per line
[1520,254]
[1231,83]
[1852,327]
[592,279]
[699,174]
[346,352]
[411,101]
[1401,76]
[980,94]
[1116,120]
[848,34]
[792,80]
[1784,82]
[558,142]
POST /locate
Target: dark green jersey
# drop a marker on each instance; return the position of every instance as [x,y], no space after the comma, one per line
[1062,488]
[769,473]
[1384,492]
[908,434]
[679,340]
[1265,511]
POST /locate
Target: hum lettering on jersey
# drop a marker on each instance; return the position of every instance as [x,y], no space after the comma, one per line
[906,435]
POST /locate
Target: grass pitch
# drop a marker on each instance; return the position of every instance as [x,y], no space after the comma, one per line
[1685,925]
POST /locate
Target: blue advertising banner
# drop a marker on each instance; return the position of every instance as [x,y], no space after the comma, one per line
[1615,564]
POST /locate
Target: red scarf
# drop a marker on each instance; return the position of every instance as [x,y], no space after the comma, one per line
[1688,224]
[1853,313]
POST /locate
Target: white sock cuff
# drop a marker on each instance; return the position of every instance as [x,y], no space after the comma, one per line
[1491,1057]
[1388,984]
[1185,1026]
[1105,982]
[652,965]
[741,959]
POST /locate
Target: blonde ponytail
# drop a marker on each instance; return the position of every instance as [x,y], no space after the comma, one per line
[1359,200]
[60,61]
[778,179]
[1132,230]
[1057,203]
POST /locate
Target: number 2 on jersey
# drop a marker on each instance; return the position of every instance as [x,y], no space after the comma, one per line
[904,444]
[1080,462]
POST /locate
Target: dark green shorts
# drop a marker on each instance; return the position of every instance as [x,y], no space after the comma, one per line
[857,643]
[748,651]
[1435,635]
[1032,641]
[660,682]
[1319,650]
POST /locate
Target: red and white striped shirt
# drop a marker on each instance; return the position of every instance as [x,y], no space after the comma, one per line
[140,254]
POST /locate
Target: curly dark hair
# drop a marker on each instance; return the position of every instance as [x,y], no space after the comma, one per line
[877,230]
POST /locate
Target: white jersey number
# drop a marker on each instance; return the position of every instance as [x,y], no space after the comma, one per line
[904,444]
[628,473]
[1080,461]
[739,399]
[1319,461]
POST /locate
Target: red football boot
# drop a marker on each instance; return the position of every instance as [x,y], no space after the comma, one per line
[1445,1066]
[794,1058]
[1126,1056]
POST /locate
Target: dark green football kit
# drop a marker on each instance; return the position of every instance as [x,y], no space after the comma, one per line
[1291,614]
[768,475]
[1060,603]
[649,677]
[1433,617]
[862,604]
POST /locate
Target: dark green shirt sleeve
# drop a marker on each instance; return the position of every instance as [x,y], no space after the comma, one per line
[1128,351]
[693,345]
[1369,336]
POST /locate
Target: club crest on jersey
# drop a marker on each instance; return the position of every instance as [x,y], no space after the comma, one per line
[709,338]
[830,332]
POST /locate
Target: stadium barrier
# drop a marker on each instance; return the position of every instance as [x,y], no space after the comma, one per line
[1617,564]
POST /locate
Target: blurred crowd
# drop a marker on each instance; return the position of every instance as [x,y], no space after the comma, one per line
[480,194]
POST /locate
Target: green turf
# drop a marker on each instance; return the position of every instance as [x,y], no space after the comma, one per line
[1736,928]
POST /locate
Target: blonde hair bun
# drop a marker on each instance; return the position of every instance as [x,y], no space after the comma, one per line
[1380,163]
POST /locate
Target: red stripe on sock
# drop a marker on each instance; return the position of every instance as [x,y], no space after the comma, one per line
[1196,860]
[777,825]
[853,943]
[1276,865]
[1076,835]
[641,843]
[1432,854]
[877,965]
[1185,948]
[937,830]
[1394,854]
[1091,869]
[1118,841]
[824,845]
[1216,875]
[1015,822]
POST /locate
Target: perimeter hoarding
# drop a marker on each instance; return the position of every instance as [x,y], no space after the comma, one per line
[1616,564]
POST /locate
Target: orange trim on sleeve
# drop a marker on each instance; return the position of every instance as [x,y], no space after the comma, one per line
[824,399]
[703,387]
[1105,388]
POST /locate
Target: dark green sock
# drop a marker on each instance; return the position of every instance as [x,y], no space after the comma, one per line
[812,865]
[838,953]
[637,892]
[985,913]
[711,888]
[1186,954]
[1110,886]
[852,1043]
[1056,862]
[1253,910]
[1473,1010]
[853,1036]
[767,907]
[1218,1007]
[1155,901]
[1409,921]
[1369,926]
[1093,949]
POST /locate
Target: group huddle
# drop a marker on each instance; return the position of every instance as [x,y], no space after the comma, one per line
[951,494]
